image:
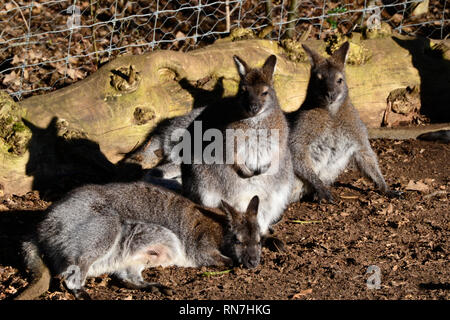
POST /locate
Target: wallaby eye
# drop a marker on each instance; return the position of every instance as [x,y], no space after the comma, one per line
[264,93]
[340,81]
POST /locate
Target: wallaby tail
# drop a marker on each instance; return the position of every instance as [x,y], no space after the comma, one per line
[40,272]
[441,135]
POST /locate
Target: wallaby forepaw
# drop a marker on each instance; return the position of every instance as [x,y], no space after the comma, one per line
[262,169]
[395,194]
[81,294]
[243,171]
[323,194]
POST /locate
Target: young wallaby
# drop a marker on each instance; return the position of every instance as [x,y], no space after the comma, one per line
[164,169]
[261,165]
[123,228]
[327,132]
[157,147]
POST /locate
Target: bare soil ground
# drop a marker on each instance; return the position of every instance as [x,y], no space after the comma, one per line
[329,246]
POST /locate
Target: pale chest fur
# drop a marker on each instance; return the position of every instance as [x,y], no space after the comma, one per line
[260,149]
[273,201]
[330,153]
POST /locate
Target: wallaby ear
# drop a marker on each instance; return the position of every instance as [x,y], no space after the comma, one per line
[252,209]
[232,214]
[242,67]
[269,66]
[30,125]
[340,55]
[313,56]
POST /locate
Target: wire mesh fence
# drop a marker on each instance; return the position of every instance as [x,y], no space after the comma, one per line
[47,44]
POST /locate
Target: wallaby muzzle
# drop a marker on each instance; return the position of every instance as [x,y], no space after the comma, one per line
[252,263]
[253,258]
[254,109]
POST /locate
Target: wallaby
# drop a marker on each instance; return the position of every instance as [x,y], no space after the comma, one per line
[441,136]
[155,155]
[122,228]
[157,151]
[326,132]
[262,166]
[157,147]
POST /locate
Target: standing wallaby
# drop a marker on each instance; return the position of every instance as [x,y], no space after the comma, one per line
[262,166]
[327,132]
[123,228]
[157,147]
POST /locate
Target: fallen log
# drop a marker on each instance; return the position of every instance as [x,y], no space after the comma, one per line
[86,128]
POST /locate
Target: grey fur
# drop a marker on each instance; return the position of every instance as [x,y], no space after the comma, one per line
[159,145]
[123,228]
[327,132]
[156,153]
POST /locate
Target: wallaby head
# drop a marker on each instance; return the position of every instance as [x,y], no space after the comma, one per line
[327,86]
[243,240]
[256,91]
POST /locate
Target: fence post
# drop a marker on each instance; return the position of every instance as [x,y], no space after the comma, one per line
[198,19]
[322,18]
[292,16]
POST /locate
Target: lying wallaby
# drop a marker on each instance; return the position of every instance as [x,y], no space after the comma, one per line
[261,166]
[327,132]
[122,228]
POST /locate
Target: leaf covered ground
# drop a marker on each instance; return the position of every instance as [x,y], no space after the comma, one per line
[329,246]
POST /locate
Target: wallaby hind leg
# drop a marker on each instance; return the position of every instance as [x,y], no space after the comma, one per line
[303,172]
[367,163]
[74,278]
[87,257]
[132,279]
[220,260]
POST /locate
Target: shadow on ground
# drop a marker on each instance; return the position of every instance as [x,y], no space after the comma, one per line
[434,74]
[58,164]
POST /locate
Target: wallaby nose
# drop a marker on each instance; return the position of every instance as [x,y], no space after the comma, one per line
[252,263]
[254,108]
